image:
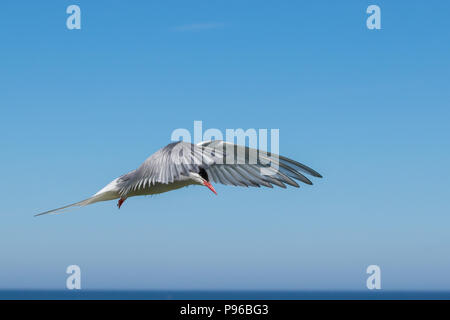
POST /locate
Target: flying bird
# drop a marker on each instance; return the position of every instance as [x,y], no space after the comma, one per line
[180,164]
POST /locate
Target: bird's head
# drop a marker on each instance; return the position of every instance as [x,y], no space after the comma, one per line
[198,179]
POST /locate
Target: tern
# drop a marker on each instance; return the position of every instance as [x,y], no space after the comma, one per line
[180,164]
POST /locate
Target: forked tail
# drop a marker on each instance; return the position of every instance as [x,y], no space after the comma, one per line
[93,199]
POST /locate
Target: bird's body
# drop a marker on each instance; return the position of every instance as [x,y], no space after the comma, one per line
[112,189]
[181,164]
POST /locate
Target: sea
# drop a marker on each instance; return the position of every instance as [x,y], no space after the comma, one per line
[220,295]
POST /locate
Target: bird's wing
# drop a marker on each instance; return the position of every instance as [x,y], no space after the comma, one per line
[223,162]
[243,166]
[169,164]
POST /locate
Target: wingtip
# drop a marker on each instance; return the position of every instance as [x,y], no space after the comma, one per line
[39,214]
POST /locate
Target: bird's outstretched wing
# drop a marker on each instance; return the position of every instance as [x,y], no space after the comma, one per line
[167,165]
[244,166]
[223,162]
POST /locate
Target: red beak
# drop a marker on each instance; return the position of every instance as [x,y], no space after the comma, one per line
[121,200]
[209,185]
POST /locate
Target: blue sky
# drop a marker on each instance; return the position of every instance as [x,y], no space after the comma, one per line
[367,109]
